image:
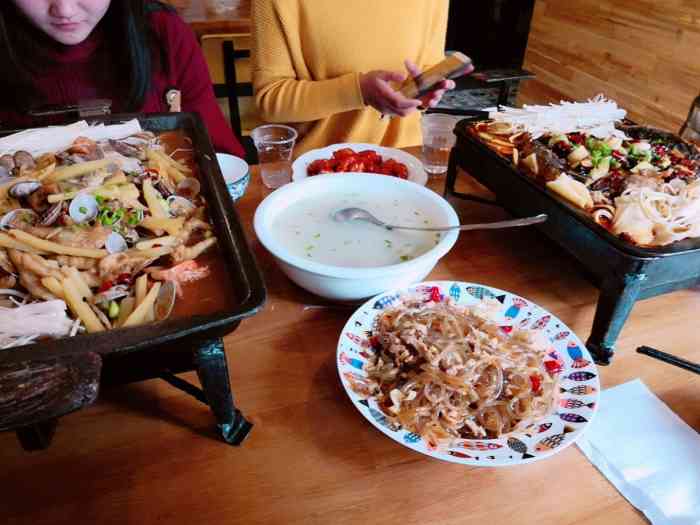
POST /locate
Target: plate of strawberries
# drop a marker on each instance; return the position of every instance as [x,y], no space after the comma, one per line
[359,158]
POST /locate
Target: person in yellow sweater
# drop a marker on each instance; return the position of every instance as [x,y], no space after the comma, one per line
[330,67]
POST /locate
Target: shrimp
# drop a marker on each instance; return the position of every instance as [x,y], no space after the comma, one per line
[185,272]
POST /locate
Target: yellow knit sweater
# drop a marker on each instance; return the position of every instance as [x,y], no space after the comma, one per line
[308,55]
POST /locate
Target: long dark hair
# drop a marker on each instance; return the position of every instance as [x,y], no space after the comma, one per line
[126,26]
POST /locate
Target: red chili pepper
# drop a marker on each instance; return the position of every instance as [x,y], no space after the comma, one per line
[435,294]
[123,278]
[618,155]
[552,367]
[577,138]
[105,286]
[660,150]
[536,382]
[374,341]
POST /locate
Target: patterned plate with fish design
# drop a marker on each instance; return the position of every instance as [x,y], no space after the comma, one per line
[568,357]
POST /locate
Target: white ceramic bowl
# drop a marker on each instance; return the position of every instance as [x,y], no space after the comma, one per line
[416,172]
[347,283]
[236,173]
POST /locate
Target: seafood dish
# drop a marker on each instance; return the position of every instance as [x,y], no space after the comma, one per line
[639,183]
[448,372]
[367,161]
[100,235]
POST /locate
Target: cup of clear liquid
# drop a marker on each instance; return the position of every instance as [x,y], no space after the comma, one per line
[438,140]
[275,143]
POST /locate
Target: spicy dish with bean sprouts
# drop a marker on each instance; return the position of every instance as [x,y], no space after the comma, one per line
[448,372]
[98,236]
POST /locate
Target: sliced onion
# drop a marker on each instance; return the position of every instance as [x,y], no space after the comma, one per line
[83,208]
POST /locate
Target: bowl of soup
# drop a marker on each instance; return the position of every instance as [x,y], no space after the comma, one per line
[354,260]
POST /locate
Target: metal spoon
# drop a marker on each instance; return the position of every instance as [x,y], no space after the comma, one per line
[358,214]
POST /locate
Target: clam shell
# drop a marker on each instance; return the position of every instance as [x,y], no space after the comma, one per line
[132,236]
[52,214]
[165,301]
[83,208]
[29,215]
[128,150]
[24,189]
[115,243]
[24,159]
[179,206]
[7,162]
[165,187]
[115,292]
[189,188]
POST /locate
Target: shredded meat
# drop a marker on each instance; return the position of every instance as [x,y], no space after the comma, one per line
[116,264]
[32,283]
[33,263]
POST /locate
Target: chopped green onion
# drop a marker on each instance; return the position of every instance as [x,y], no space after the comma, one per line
[405,258]
[113,312]
[82,209]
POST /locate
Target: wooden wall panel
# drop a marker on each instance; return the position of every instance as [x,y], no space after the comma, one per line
[645,54]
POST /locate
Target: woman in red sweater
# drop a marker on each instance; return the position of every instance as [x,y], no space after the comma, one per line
[61,52]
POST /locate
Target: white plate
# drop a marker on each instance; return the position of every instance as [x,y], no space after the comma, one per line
[579,381]
[416,173]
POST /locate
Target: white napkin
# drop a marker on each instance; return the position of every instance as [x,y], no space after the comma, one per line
[57,138]
[649,454]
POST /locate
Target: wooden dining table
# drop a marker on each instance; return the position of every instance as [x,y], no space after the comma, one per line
[207,17]
[146,453]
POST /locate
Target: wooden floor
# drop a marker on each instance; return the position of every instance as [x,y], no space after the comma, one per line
[145,454]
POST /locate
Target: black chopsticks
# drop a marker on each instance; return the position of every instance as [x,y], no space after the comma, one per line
[669,358]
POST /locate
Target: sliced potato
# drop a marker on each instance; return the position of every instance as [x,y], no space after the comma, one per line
[157,224]
[138,316]
[54,247]
[531,163]
[80,308]
[76,170]
[572,190]
[152,198]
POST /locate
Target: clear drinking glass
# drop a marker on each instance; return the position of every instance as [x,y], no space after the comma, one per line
[438,140]
[275,144]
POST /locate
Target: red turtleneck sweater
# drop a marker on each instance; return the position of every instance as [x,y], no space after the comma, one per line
[79,75]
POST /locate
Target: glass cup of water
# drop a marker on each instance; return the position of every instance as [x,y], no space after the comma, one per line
[275,143]
[438,140]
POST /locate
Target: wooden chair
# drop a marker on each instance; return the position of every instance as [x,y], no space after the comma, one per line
[228,57]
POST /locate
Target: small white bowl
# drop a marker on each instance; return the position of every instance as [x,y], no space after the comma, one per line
[351,283]
[236,174]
